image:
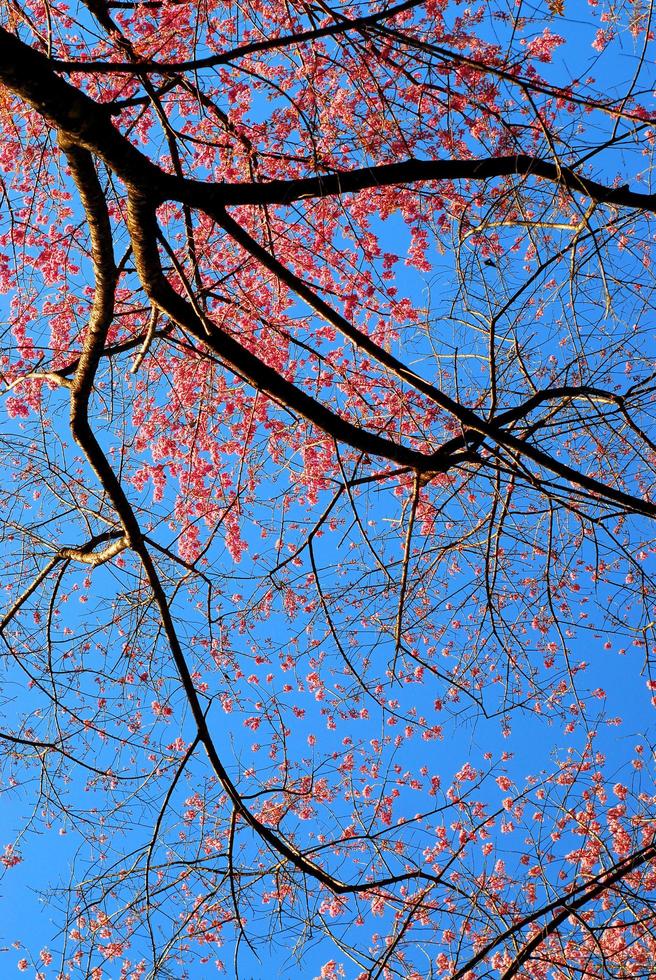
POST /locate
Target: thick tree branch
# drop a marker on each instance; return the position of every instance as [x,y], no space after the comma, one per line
[143,229]
[30,75]
[87,554]
[82,121]
[412,172]
[470,421]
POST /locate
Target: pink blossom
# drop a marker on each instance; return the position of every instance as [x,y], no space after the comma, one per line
[542,48]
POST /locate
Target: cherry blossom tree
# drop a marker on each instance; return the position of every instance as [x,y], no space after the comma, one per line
[328,487]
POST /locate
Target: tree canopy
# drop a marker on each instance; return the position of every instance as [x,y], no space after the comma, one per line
[328,488]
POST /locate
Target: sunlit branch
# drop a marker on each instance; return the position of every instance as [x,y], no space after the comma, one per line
[89,556]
